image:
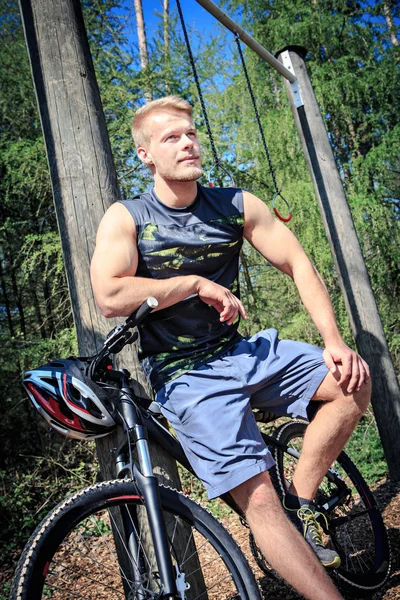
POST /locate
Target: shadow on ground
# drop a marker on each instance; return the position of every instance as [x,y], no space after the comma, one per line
[387,494]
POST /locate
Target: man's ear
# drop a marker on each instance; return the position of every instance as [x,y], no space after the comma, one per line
[144,156]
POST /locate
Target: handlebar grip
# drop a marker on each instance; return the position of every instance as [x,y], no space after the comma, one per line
[145,309]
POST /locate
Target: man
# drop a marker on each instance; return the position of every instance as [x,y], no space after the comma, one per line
[180,243]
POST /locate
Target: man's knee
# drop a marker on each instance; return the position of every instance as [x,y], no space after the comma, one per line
[329,391]
[255,494]
[363,396]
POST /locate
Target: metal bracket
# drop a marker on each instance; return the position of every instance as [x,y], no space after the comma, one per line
[298,100]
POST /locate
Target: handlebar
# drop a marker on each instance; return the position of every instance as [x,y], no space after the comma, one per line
[143,311]
[121,335]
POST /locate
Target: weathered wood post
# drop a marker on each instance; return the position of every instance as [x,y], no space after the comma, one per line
[82,173]
[353,276]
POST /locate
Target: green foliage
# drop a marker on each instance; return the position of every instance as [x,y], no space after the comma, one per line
[354,68]
[365,449]
[27,496]
[355,75]
[195,489]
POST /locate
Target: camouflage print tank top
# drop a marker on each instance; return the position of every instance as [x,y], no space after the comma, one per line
[203,239]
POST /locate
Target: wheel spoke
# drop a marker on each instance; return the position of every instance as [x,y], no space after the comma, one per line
[90,579]
[85,561]
[356,531]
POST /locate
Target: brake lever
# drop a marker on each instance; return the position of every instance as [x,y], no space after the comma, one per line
[118,344]
[112,334]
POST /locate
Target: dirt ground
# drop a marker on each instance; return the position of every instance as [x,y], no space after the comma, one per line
[388,497]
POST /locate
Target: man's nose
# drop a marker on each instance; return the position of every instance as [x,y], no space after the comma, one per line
[187,141]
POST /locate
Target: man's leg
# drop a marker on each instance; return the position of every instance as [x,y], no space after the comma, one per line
[284,547]
[327,433]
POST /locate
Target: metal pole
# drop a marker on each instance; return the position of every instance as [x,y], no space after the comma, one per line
[246,38]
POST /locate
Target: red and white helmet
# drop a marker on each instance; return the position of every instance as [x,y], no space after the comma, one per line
[69,400]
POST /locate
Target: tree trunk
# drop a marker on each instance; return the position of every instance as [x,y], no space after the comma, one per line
[17,299]
[82,171]
[40,325]
[48,305]
[144,57]
[8,254]
[6,301]
[389,22]
[166,45]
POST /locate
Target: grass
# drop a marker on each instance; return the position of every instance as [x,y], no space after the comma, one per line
[365,450]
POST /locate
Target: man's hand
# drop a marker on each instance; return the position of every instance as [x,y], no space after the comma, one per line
[355,370]
[221,299]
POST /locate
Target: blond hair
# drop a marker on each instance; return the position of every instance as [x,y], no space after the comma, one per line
[140,133]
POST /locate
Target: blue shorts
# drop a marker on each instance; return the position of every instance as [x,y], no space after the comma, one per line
[210,408]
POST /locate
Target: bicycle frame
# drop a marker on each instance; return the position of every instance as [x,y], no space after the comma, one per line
[138,423]
[172,446]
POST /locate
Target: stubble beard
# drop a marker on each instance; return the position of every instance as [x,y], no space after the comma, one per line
[188,174]
[192,174]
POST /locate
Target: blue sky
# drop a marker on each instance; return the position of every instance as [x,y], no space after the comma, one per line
[194,15]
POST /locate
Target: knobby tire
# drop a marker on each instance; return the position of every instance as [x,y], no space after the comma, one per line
[356,527]
[71,553]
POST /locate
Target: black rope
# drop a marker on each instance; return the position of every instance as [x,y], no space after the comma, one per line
[196,78]
[271,168]
[217,162]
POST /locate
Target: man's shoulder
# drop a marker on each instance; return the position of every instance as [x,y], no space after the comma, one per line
[138,207]
[227,200]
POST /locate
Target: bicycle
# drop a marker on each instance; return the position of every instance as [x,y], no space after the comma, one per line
[169,545]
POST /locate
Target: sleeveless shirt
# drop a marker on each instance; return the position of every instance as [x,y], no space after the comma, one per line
[203,239]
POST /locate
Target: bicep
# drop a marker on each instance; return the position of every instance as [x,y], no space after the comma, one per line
[269,236]
[116,253]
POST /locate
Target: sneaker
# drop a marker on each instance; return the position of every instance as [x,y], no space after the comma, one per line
[304,519]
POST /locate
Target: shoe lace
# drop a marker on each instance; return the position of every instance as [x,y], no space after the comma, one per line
[309,518]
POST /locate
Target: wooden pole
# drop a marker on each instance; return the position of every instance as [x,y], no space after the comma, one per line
[353,276]
[82,173]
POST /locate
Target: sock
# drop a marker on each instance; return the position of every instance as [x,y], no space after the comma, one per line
[294,502]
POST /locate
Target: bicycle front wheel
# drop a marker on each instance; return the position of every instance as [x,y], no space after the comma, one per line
[355,525]
[72,552]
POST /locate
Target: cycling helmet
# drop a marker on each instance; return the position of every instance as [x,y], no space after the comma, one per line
[69,400]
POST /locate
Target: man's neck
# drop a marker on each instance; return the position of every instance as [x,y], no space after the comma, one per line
[177,194]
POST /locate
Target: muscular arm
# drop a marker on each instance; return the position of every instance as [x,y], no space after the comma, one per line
[281,248]
[117,289]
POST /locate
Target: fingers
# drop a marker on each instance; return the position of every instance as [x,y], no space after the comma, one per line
[347,363]
[355,376]
[366,368]
[232,306]
[364,373]
[354,371]
[222,299]
[330,363]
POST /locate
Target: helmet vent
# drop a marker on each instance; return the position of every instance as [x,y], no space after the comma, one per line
[50,381]
[75,393]
[94,410]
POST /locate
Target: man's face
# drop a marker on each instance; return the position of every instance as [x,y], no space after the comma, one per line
[174,150]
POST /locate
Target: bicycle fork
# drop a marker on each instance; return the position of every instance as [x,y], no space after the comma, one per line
[148,486]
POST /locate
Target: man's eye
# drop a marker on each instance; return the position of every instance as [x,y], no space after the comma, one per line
[170,137]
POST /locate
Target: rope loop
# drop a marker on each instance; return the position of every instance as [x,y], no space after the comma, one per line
[218,166]
[284,219]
